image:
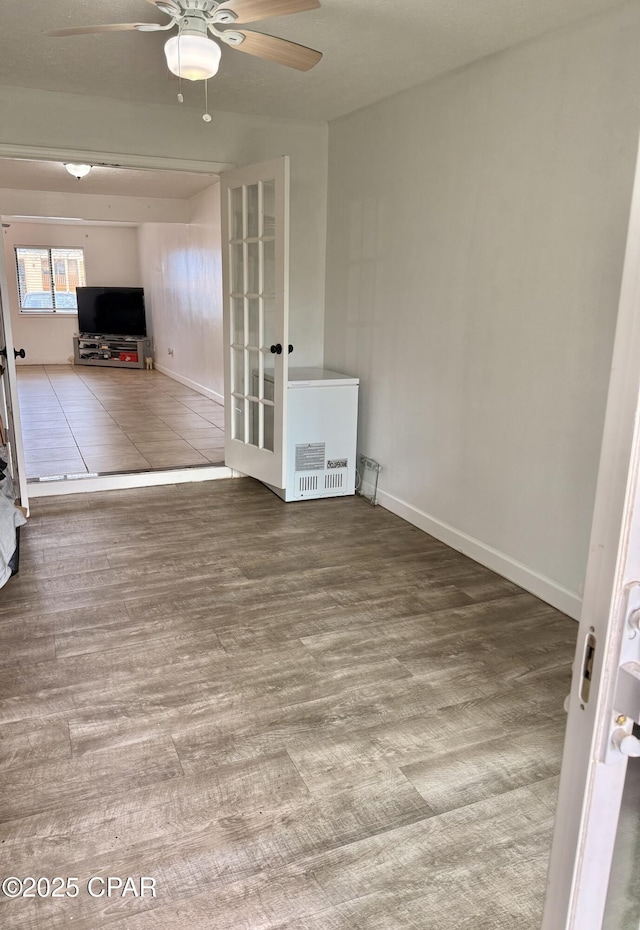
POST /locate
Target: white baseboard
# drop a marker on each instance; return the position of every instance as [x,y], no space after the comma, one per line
[212,395]
[31,362]
[569,602]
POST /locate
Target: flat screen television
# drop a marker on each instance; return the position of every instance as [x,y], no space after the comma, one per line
[111,311]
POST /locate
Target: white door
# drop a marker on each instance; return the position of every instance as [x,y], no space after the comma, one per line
[9,409]
[594,872]
[255,259]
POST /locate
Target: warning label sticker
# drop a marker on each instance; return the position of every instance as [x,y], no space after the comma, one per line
[310,456]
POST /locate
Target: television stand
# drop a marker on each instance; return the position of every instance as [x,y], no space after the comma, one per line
[111,351]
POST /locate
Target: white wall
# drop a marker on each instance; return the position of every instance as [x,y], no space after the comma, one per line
[475,244]
[181,271]
[73,123]
[111,258]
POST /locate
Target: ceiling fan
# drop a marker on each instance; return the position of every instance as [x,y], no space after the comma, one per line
[192,53]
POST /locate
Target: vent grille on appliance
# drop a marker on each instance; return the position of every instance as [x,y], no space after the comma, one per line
[307,483]
[333,481]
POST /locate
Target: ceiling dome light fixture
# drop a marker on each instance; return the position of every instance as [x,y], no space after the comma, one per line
[193,57]
[78,171]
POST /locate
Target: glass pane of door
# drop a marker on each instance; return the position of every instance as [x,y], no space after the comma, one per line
[253,268]
[238,380]
[238,266]
[253,211]
[253,323]
[238,419]
[268,208]
[237,320]
[268,426]
[237,213]
[268,268]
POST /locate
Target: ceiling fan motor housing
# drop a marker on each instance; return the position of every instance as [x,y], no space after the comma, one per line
[205,7]
[196,20]
[193,25]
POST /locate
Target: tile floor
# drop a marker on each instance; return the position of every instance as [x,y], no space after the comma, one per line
[104,420]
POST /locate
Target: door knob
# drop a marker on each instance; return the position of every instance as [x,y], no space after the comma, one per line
[276,349]
[290,348]
[19,353]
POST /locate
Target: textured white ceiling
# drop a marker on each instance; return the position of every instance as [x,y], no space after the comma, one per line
[372,49]
[24,174]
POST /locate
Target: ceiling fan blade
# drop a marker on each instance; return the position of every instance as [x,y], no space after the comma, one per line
[109,27]
[281,51]
[250,11]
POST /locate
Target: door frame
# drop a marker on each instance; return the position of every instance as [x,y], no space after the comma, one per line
[112,159]
[120,160]
[593,776]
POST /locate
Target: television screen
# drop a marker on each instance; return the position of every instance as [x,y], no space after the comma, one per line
[111,311]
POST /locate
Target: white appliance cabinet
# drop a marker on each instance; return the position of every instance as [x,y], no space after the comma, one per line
[321,433]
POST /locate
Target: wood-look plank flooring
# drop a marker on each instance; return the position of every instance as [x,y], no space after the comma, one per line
[303,716]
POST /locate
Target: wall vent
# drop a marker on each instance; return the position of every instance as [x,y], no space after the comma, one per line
[333,481]
[307,483]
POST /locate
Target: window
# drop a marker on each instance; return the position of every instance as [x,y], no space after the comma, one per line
[48,278]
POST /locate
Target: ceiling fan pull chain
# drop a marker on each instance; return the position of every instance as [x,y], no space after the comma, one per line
[180,95]
[206,116]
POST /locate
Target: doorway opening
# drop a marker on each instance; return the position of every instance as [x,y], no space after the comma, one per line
[100,421]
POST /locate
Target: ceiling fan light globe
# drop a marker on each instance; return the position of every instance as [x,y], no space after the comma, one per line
[192,57]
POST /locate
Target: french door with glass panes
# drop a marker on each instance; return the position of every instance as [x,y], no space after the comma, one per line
[9,409]
[255,245]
